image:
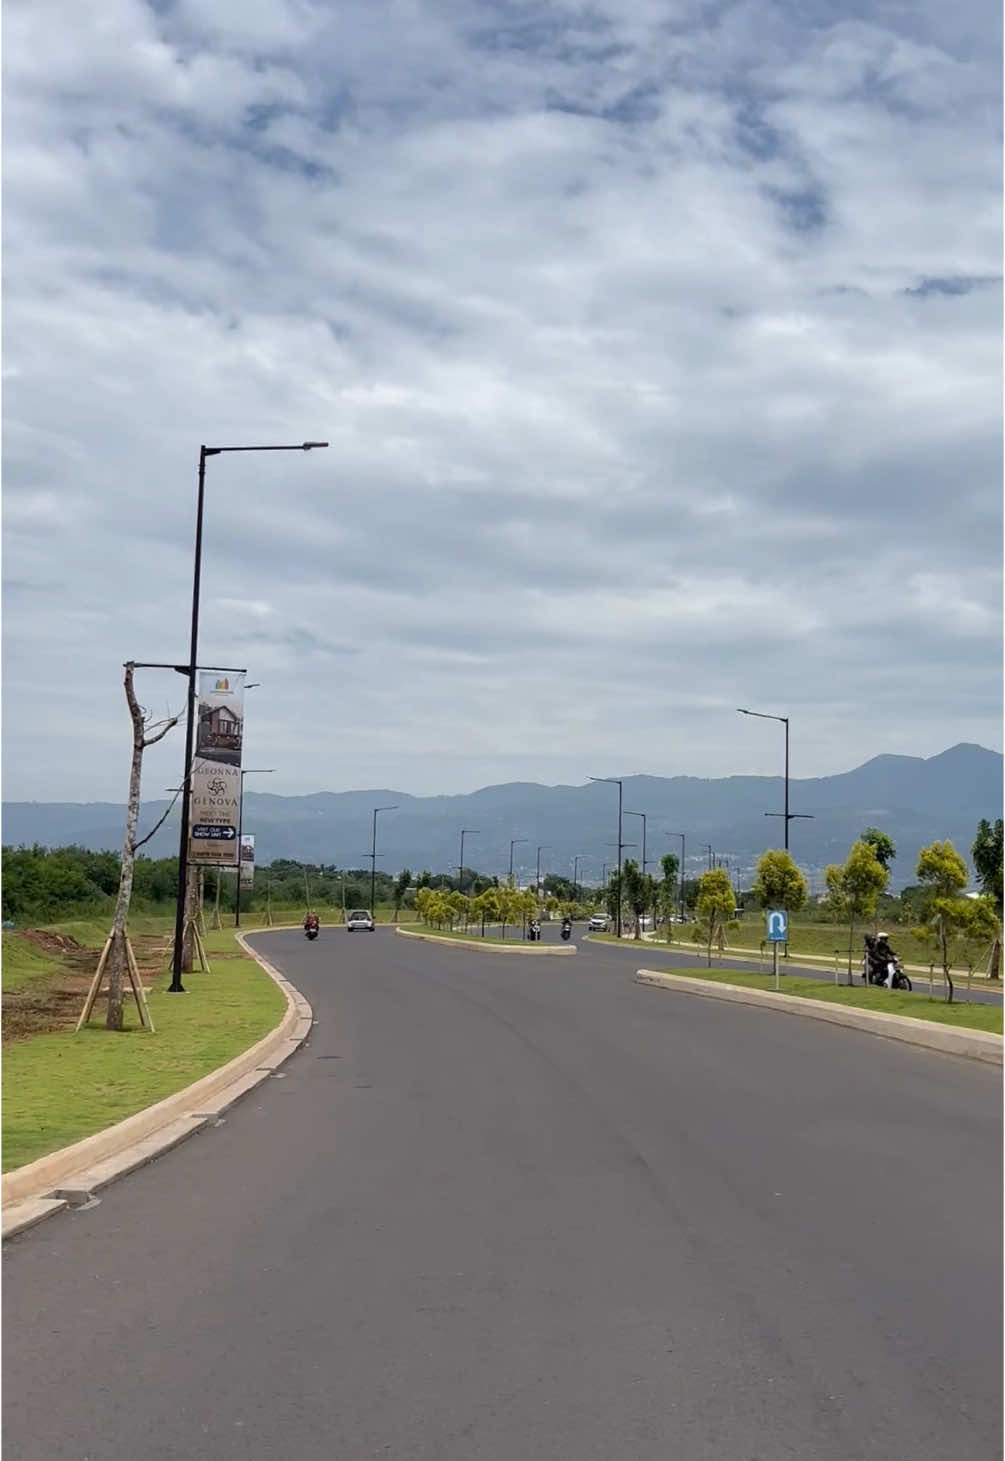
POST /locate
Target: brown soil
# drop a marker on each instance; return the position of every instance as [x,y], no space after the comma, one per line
[55,1003]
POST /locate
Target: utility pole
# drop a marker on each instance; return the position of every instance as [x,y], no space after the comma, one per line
[512,844]
[616,781]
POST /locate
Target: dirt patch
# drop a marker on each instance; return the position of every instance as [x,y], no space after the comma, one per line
[46,1005]
[49,942]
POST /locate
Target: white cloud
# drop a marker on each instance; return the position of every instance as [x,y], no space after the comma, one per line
[659,356]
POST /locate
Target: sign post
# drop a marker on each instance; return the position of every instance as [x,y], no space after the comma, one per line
[777,933]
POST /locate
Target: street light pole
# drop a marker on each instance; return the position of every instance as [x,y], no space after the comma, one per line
[545,847]
[252,771]
[788,816]
[465,832]
[681,836]
[373,855]
[575,877]
[176,986]
[616,781]
[512,844]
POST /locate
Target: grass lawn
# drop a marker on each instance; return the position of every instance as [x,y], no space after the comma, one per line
[59,1087]
[882,1001]
[23,963]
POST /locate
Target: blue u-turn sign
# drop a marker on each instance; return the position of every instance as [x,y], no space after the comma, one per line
[778,926]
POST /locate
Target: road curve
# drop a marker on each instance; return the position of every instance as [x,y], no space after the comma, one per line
[525,1210]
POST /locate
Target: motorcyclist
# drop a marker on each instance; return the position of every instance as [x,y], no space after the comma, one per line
[311,921]
[886,959]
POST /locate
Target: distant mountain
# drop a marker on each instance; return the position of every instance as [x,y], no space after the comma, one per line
[913,799]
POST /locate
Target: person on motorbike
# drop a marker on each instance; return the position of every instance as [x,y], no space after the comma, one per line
[311,921]
[886,959]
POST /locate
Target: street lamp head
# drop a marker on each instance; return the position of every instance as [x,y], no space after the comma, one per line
[311,445]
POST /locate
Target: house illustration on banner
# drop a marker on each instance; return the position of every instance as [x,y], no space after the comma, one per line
[219,737]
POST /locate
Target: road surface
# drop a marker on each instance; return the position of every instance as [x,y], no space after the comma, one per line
[508,1209]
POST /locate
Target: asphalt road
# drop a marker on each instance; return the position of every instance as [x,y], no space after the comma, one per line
[503,1209]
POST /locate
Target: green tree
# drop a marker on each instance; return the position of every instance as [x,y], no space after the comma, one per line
[987,855]
[666,891]
[854,888]
[942,874]
[488,906]
[883,847]
[778,883]
[401,883]
[715,906]
[613,896]
[636,893]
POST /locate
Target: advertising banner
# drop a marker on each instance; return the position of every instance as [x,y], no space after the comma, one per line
[216,771]
[247,860]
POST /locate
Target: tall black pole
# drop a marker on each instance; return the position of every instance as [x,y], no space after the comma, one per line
[575,879]
[176,986]
[512,844]
[373,861]
[787,817]
[240,828]
[683,912]
[621,884]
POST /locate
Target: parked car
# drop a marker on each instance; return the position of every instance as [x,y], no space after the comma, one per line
[360,918]
[597,924]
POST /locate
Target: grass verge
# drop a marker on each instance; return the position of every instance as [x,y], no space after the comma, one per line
[880,1001]
[60,1087]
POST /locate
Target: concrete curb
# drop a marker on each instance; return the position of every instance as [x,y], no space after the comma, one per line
[971,1044]
[535,950]
[35,1192]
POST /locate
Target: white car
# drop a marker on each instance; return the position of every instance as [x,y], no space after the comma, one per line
[360,918]
[597,924]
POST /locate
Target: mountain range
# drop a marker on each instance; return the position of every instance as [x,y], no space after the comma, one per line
[915,800]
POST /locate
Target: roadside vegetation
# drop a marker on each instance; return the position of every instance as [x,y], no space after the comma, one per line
[59,1087]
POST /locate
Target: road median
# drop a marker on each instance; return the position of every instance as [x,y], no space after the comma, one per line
[971,1044]
[489,946]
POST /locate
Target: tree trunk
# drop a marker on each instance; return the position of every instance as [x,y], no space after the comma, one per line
[945,960]
[116,965]
[995,964]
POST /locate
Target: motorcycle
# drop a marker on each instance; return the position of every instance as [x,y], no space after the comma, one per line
[311,931]
[882,967]
[566,930]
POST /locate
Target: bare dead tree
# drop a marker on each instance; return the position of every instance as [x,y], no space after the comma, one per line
[146,733]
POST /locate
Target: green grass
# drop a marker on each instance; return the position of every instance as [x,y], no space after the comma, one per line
[61,1087]
[23,963]
[824,940]
[883,1001]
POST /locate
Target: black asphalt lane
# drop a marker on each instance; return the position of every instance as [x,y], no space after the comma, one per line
[507,1209]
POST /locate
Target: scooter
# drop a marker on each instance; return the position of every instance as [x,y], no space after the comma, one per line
[533,930]
[311,931]
[566,931]
[882,968]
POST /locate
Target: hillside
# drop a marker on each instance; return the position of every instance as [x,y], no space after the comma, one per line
[913,799]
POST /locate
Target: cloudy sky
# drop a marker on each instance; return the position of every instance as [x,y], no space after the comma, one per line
[657,343]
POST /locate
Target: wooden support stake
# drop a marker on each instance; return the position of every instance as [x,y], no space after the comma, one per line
[92,993]
[139,993]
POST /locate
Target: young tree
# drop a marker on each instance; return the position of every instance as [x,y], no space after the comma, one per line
[146,733]
[488,906]
[401,884]
[987,855]
[778,883]
[635,893]
[854,888]
[666,890]
[883,847]
[716,905]
[943,875]
[613,896]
